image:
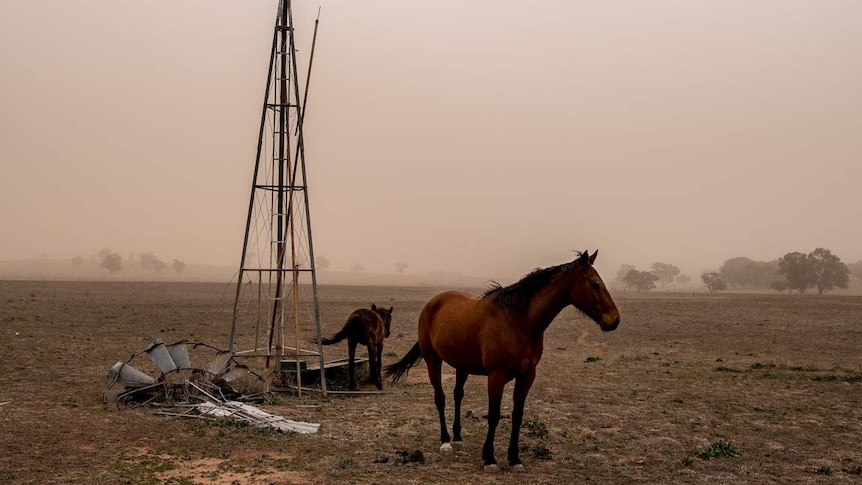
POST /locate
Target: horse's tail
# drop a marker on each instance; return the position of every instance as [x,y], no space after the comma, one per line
[400,369]
[338,337]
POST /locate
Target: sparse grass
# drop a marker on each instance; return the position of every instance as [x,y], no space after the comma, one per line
[805,368]
[541,451]
[723,368]
[142,470]
[599,435]
[856,377]
[592,359]
[272,399]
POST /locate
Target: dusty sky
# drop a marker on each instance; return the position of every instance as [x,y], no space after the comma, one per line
[487,137]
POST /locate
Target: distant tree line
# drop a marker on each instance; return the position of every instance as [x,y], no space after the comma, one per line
[794,271]
[148,261]
[662,273]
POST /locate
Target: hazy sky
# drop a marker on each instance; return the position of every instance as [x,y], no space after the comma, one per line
[488,137]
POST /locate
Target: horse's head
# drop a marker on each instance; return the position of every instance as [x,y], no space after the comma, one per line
[385,315]
[590,295]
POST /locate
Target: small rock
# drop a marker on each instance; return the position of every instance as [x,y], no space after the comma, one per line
[404,456]
[417,457]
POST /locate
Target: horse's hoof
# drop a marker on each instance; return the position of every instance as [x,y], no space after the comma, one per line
[492,468]
[519,468]
[446,449]
[458,445]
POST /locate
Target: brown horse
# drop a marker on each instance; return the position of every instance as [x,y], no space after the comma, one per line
[369,328]
[500,335]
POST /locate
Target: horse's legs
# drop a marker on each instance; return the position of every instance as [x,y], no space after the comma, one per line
[379,372]
[435,364]
[351,369]
[374,365]
[522,387]
[460,379]
[496,382]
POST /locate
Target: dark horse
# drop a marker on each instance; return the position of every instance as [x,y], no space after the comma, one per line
[369,328]
[500,335]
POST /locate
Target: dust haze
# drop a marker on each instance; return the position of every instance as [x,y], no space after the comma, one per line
[484,137]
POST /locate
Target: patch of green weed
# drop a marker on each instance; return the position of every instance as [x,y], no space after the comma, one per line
[716,449]
[536,428]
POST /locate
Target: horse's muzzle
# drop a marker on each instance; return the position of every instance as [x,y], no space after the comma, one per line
[610,327]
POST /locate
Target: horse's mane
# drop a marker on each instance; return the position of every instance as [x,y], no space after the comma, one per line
[519,294]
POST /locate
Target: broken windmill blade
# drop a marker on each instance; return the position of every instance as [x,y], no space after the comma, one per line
[208,392]
[159,353]
[172,370]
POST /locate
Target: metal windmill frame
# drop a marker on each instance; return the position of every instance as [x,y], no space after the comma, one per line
[273,295]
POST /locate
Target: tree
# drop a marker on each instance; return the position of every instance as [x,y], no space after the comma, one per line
[818,269]
[357,268]
[665,273]
[151,261]
[798,271]
[827,270]
[713,281]
[77,261]
[742,272]
[640,280]
[178,266]
[623,271]
[779,286]
[683,279]
[856,269]
[112,262]
[321,262]
[400,267]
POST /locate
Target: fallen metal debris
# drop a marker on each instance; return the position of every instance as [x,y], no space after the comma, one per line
[256,416]
[215,391]
[165,378]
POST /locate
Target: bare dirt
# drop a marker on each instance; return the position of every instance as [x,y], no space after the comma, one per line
[690,389]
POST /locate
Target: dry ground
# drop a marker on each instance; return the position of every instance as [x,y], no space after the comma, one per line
[685,381]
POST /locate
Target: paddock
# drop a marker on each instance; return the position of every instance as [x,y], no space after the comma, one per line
[689,381]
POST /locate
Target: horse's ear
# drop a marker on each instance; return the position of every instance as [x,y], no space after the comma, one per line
[593,256]
[391,308]
[374,307]
[585,257]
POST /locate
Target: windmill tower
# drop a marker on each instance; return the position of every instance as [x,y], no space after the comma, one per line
[276,307]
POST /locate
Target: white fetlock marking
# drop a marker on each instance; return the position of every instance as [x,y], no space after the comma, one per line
[519,468]
[445,448]
[458,445]
[492,468]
